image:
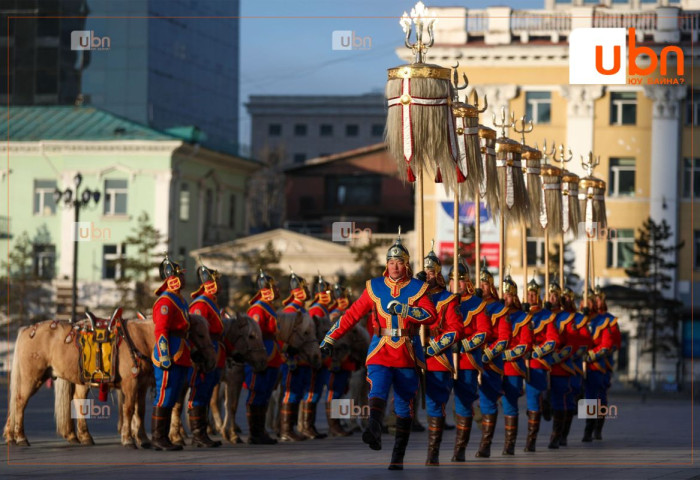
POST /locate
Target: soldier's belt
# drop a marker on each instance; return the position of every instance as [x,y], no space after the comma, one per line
[397,332]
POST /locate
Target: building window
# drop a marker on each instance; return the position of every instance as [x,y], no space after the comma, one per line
[620,245]
[538,107]
[692,109]
[184,202]
[44,261]
[326,130]
[696,244]
[44,203]
[622,174]
[377,130]
[623,108]
[691,178]
[300,130]
[274,130]
[535,250]
[232,211]
[360,190]
[115,197]
[299,157]
[112,256]
[352,130]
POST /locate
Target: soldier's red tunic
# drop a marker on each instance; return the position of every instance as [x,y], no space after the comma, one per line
[602,340]
[520,337]
[544,331]
[449,321]
[265,316]
[205,306]
[501,331]
[171,321]
[475,321]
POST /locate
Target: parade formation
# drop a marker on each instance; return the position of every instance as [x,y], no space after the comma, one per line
[428,338]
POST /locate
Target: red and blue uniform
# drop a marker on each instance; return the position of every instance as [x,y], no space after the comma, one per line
[602,339]
[545,341]
[444,333]
[580,339]
[395,351]
[616,338]
[339,371]
[563,360]
[491,387]
[319,378]
[260,385]
[171,353]
[202,384]
[515,357]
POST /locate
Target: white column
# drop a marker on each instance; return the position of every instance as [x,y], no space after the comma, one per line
[161,209]
[579,138]
[65,268]
[499,26]
[665,159]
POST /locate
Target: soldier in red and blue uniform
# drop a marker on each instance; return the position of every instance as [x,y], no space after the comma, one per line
[596,367]
[580,340]
[295,372]
[491,387]
[260,385]
[443,334]
[475,332]
[395,357]
[202,383]
[616,338]
[515,371]
[171,353]
[340,370]
[320,307]
[562,365]
[545,341]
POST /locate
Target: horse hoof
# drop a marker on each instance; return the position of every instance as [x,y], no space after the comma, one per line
[23,443]
[131,446]
[87,441]
[146,445]
[73,441]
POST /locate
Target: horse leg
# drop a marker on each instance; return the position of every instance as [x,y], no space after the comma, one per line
[25,390]
[63,392]
[176,434]
[138,425]
[215,409]
[127,413]
[81,393]
[234,385]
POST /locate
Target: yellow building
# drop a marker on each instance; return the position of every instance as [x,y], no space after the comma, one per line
[643,133]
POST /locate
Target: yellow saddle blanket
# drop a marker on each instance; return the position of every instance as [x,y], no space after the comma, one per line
[98,355]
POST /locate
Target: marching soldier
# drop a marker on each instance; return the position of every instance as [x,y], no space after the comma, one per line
[171,353]
[580,340]
[515,365]
[602,307]
[295,373]
[545,340]
[395,354]
[476,332]
[491,387]
[321,307]
[562,367]
[443,334]
[340,371]
[260,385]
[596,368]
[202,384]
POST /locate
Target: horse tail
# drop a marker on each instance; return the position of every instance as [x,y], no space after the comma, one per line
[15,379]
[63,393]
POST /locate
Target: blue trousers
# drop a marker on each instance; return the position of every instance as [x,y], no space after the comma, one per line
[202,386]
[466,392]
[294,381]
[338,384]
[438,386]
[575,384]
[314,388]
[490,391]
[260,385]
[512,391]
[169,384]
[561,389]
[595,386]
[405,383]
[535,387]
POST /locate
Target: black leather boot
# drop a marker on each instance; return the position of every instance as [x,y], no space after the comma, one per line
[436,425]
[588,430]
[558,421]
[308,421]
[160,427]
[335,429]
[511,434]
[289,412]
[372,435]
[533,426]
[464,430]
[567,427]
[403,432]
[488,427]
[198,424]
[598,431]
[256,422]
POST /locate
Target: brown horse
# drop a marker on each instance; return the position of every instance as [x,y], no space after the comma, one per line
[46,350]
[296,330]
[243,335]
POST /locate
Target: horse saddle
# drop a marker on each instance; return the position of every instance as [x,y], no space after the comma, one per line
[98,343]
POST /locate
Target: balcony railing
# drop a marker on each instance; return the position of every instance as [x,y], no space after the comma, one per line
[539,22]
[689,22]
[645,21]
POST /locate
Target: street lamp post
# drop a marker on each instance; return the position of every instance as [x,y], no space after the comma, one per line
[77,200]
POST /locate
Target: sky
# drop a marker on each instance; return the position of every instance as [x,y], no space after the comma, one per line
[286,46]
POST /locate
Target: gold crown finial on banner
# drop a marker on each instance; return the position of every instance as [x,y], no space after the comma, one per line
[421,18]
